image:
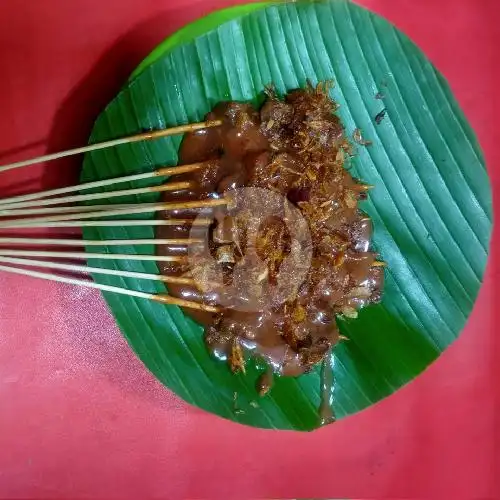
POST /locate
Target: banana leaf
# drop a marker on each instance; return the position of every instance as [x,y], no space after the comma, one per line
[431,207]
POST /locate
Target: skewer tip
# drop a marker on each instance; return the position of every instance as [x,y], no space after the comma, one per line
[169,300]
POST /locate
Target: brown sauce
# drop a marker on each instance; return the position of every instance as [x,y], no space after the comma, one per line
[295,150]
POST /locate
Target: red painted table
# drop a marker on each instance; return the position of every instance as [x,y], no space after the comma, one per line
[80,415]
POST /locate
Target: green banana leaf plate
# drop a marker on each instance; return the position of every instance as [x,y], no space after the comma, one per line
[431,207]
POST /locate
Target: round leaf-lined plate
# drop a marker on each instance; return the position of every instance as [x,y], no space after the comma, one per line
[431,207]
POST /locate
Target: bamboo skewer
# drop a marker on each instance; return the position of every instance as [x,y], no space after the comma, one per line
[139,209]
[79,243]
[145,136]
[98,270]
[362,187]
[162,298]
[90,255]
[161,172]
[168,186]
[63,210]
[29,224]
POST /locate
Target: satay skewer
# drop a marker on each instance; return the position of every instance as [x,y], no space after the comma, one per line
[178,280]
[160,172]
[90,255]
[30,224]
[78,243]
[62,210]
[138,209]
[162,298]
[144,136]
[81,198]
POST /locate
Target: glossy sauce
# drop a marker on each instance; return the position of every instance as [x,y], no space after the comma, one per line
[291,338]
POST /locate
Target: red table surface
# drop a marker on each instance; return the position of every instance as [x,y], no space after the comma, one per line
[80,416]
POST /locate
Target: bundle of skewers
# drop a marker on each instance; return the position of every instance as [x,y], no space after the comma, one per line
[67,207]
[62,208]
[280,293]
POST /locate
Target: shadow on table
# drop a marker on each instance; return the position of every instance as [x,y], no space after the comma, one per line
[6,154]
[75,117]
